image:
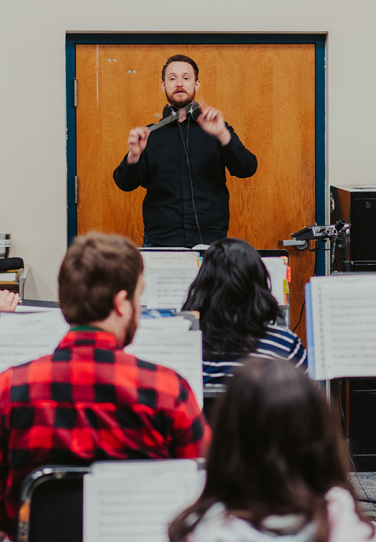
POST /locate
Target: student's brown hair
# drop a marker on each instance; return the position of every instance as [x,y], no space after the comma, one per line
[276,449]
[95,268]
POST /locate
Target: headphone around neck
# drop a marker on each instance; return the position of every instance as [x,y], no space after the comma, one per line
[193,110]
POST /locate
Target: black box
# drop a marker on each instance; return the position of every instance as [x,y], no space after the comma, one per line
[356,205]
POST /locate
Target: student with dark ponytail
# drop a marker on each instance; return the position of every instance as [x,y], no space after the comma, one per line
[238,312]
[276,468]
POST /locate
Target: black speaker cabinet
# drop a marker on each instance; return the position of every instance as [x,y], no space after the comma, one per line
[356,205]
[362,415]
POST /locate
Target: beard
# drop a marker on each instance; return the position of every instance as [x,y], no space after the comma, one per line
[180,99]
[132,327]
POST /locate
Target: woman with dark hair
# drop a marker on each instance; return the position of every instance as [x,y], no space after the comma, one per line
[238,312]
[276,466]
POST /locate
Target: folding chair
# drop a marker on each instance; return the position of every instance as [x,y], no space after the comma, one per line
[51,504]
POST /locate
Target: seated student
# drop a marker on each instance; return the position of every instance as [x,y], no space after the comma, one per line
[237,310]
[89,400]
[8,301]
[276,467]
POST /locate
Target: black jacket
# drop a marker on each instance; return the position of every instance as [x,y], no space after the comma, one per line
[183,170]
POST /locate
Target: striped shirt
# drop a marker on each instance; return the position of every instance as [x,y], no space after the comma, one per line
[279,342]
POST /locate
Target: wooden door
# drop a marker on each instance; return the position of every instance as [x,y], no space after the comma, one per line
[266,92]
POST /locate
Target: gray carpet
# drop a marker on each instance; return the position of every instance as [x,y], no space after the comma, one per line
[365,488]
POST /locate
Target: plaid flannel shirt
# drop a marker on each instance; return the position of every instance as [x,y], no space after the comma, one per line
[91,401]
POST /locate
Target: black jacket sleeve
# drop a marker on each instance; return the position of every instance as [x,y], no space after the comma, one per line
[238,160]
[128,177]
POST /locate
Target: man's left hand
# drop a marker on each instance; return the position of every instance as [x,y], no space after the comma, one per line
[211,120]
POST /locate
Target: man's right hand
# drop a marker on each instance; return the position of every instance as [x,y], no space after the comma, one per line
[138,138]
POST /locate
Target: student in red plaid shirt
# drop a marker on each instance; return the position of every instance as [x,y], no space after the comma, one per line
[90,400]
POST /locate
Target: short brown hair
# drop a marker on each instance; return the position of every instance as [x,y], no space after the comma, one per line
[95,268]
[180,58]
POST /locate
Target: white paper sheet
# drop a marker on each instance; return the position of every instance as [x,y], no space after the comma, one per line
[168,287]
[27,336]
[167,277]
[169,258]
[8,277]
[344,325]
[277,271]
[32,308]
[133,467]
[178,323]
[136,500]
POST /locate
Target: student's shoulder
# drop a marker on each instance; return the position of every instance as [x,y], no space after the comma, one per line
[149,369]
[22,374]
[169,389]
[345,524]
[280,330]
[218,524]
[156,367]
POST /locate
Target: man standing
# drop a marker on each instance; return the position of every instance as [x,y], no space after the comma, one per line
[182,165]
[90,400]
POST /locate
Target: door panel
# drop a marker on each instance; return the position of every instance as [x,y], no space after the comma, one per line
[266,92]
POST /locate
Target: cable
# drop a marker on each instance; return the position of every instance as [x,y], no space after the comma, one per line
[316,249]
[300,316]
[333,254]
[185,147]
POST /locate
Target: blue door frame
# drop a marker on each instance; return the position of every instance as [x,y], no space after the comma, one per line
[319,40]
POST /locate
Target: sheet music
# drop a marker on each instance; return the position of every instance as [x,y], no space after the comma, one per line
[277,271]
[137,500]
[168,288]
[34,308]
[169,258]
[148,467]
[178,323]
[309,331]
[27,336]
[180,350]
[344,325]
[167,277]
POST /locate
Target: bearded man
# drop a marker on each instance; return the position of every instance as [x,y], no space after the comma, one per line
[182,165]
[90,400]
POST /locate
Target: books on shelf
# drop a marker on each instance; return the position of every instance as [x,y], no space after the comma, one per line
[10,276]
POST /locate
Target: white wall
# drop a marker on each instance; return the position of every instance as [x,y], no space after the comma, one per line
[33,110]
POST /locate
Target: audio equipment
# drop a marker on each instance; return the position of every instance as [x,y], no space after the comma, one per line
[357,205]
[321,232]
[193,110]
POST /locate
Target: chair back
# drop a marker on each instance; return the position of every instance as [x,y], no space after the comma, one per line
[51,505]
